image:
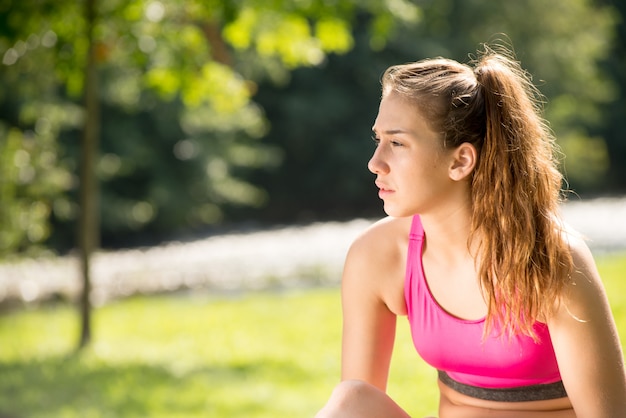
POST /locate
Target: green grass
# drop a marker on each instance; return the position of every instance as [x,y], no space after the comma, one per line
[257,355]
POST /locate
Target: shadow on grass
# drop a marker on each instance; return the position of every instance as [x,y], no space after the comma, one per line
[75,387]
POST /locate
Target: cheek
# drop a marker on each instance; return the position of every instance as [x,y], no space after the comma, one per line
[425,174]
[418,168]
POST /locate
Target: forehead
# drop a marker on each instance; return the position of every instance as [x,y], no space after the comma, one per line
[397,113]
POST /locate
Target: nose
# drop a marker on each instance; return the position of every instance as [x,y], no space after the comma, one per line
[377,164]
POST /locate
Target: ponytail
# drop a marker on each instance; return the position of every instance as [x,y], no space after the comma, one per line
[516,191]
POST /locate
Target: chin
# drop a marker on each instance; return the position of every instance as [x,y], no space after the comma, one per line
[397,212]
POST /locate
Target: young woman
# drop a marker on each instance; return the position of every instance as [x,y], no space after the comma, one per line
[502,298]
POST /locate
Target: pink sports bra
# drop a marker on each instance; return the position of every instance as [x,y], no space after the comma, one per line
[467,361]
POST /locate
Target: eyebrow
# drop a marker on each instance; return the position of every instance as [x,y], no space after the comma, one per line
[393,131]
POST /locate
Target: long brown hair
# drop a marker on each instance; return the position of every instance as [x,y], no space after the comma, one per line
[516,187]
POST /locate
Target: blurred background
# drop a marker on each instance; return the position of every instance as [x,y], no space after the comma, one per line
[180,142]
[217,113]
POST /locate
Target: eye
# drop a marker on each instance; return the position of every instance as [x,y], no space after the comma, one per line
[396,144]
[376,140]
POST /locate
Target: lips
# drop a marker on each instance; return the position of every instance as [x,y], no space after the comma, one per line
[383,189]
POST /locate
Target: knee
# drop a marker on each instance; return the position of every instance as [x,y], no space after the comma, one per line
[353,388]
[346,398]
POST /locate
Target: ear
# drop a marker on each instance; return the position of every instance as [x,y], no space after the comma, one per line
[464,159]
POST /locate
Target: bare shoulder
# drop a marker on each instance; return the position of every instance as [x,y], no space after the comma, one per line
[383,243]
[381,234]
[585,273]
[585,289]
[578,247]
[376,262]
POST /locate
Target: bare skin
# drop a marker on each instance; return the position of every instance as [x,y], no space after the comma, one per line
[416,175]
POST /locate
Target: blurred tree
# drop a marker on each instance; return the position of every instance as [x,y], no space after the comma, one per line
[322,122]
[615,110]
[322,119]
[32,115]
[89,221]
[181,136]
[180,132]
[563,44]
[30,183]
[180,129]
[177,79]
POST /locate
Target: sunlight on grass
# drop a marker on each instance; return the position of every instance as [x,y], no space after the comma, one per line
[256,356]
[262,355]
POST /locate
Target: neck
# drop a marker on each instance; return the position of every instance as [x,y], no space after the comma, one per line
[448,232]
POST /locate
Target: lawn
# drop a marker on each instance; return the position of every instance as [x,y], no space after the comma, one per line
[252,355]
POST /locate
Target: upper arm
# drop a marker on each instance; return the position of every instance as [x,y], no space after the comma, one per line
[587,344]
[368,323]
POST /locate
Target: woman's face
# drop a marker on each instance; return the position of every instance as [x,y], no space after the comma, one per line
[410,163]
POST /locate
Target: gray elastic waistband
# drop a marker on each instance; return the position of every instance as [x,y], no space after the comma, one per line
[518,394]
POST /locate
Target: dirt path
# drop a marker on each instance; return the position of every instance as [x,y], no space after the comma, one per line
[291,256]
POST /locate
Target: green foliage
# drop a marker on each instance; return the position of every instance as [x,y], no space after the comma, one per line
[30,186]
[322,122]
[33,176]
[575,37]
[216,111]
[180,130]
[613,111]
[322,119]
[562,43]
[252,355]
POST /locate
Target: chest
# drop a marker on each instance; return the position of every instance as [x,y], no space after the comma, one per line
[455,287]
[447,318]
[460,348]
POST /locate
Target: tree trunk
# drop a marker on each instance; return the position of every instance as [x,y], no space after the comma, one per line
[88,228]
